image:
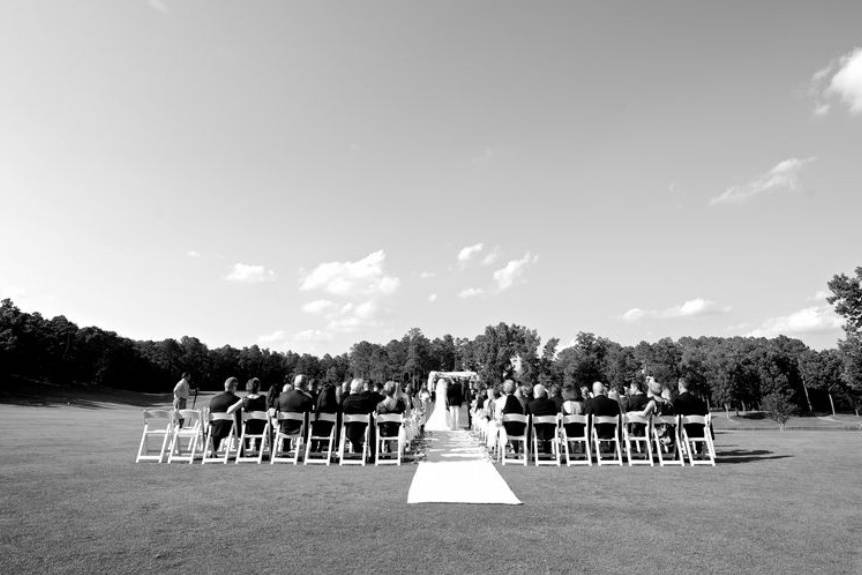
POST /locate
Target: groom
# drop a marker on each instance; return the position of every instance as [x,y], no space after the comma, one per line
[455,397]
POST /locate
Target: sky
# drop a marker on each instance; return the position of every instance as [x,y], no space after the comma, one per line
[306,175]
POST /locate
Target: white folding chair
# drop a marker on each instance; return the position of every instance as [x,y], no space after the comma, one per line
[547,420]
[294,438]
[158,424]
[584,422]
[191,431]
[382,440]
[313,437]
[506,438]
[211,452]
[356,419]
[636,430]
[610,420]
[668,447]
[252,446]
[707,455]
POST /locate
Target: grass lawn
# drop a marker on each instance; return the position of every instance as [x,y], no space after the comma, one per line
[73,501]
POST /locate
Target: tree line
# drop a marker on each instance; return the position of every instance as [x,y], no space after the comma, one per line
[730,372]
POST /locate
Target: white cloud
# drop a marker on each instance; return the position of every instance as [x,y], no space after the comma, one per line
[697,307]
[491,257]
[250,274]
[634,314]
[364,277]
[809,320]
[350,317]
[426,275]
[470,292]
[432,297]
[468,252]
[820,295]
[274,337]
[512,271]
[784,177]
[841,79]
[318,306]
[281,340]
[193,254]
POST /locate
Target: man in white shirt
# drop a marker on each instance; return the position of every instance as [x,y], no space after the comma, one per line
[182,391]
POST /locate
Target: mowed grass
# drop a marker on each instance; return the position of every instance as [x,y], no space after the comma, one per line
[72,500]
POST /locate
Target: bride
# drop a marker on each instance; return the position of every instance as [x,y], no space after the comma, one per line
[439,420]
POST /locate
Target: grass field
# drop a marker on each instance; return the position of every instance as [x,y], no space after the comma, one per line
[73,501]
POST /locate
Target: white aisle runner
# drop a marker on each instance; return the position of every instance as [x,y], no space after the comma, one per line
[457,470]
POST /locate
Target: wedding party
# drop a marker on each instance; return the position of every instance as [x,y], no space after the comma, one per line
[314,286]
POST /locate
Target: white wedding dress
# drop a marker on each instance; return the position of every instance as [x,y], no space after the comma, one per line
[439,420]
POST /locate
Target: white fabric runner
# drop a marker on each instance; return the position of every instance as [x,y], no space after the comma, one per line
[457,470]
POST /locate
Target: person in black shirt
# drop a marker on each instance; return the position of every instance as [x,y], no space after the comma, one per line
[254,401]
[601,405]
[636,400]
[296,400]
[688,404]
[326,403]
[540,406]
[357,403]
[512,405]
[227,402]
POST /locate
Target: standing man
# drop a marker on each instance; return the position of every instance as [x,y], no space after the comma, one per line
[182,390]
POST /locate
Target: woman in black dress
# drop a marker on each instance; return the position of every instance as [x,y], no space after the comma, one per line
[254,401]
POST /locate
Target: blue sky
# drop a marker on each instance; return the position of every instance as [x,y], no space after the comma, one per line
[306,175]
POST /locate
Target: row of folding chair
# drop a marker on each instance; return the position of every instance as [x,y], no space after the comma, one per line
[183,437]
[605,439]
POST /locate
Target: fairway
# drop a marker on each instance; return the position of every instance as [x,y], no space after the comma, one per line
[73,501]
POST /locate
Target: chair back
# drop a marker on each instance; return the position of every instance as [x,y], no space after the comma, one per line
[545,420]
[221,416]
[389,418]
[514,418]
[290,416]
[634,418]
[694,420]
[331,417]
[255,415]
[606,420]
[665,420]
[570,419]
[191,418]
[356,418]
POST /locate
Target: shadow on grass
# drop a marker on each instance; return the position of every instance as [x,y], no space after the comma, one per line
[41,395]
[746,456]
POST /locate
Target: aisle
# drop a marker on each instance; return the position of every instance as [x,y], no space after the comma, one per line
[457,470]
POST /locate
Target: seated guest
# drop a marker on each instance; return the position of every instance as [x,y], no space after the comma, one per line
[601,405]
[573,404]
[227,402]
[357,403]
[390,404]
[585,393]
[554,394]
[540,406]
[296,400]
[510,404]
[374,393]
[272,396]
[254,401]
[326,403]
[636,400]
[523,394]
[658,402]
[688,404]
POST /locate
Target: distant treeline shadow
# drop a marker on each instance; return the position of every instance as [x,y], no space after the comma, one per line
[746,455]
